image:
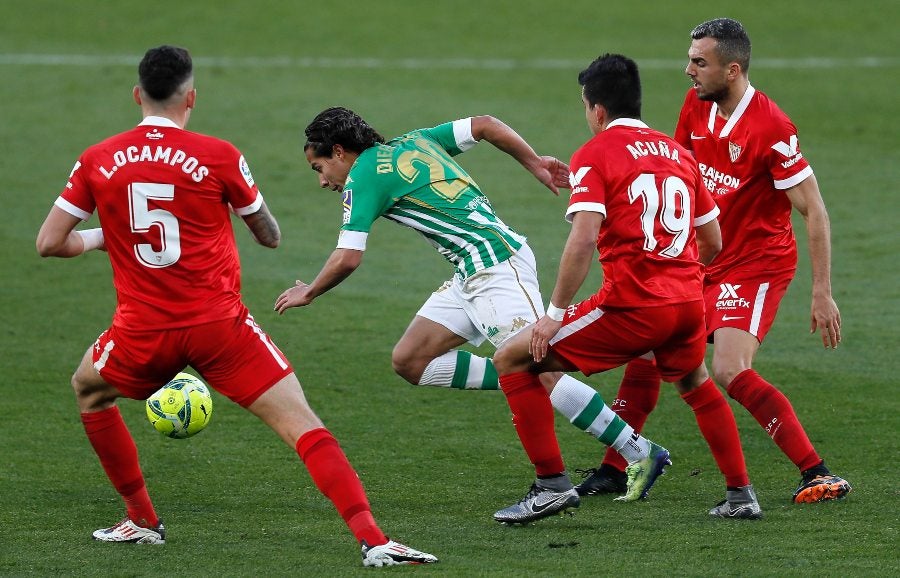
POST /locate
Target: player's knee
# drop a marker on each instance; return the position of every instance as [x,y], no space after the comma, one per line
[406,366]
[80,387]
[504,361]
[91,397]
[724,373]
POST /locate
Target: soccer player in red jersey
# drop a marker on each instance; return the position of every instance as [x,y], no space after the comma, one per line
[750,160]
[638,198]
[164,197]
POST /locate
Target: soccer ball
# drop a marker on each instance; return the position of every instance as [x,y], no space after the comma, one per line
[181,408]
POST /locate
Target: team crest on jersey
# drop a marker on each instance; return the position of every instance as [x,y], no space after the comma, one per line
[734,151]
[347,203]
[245,171]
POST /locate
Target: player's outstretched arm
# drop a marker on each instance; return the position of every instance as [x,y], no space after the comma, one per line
[550,171]
[574,265]
[824,314]
[264,227]
[58,237]
[338,267]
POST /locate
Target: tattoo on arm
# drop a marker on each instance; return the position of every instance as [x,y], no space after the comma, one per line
[264,227]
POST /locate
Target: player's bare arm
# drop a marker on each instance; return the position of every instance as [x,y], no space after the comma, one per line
[550,171]
[709,241]
[264,227]
[340,265]
[824,314]
[58,237]
[574,265]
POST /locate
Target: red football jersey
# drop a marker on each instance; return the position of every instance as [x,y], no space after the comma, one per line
[649,190]
[746,163]
[162,195]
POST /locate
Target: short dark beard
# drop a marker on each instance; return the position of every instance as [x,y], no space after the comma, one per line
[717,96]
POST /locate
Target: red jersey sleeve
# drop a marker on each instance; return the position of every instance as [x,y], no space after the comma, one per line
[239,186]
[76,198]
[782,155]
[587,188]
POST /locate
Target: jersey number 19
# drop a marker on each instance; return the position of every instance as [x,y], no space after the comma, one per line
[671,207]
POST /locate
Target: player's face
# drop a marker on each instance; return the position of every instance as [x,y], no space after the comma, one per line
[590,114]
[708,74]
[332,170]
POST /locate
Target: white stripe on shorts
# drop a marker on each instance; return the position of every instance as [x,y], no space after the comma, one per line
[104,357]
[577,325]
[758,308]
[265,339]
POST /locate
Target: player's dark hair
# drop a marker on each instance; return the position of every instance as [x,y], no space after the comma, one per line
[338,125]
[613,82]
[163,70]
[732,42]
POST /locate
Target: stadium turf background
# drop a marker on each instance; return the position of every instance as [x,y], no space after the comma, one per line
[436,463]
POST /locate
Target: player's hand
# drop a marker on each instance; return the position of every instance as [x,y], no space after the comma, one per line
[541,334]
[553,173]
[296,296]
[826,318]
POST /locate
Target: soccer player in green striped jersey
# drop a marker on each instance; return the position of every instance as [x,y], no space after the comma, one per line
[414,180]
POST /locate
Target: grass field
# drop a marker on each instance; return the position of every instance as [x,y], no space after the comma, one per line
[436,464]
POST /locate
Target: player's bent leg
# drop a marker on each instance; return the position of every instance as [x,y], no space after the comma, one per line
[775,414]
[421,355]
[719,428]
[460,369]
[733,353]
[115,448]
[284,408]
[92,393]
[636,399]
[513,356]
[585,409]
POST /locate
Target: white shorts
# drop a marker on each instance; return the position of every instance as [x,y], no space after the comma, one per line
[493,304]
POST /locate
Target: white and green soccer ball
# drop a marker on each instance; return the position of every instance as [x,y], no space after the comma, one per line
[181,408]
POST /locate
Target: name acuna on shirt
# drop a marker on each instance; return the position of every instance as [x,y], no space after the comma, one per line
[658,148]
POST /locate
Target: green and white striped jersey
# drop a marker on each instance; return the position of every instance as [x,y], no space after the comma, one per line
[414,181]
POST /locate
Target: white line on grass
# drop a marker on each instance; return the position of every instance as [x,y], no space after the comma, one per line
[312,62]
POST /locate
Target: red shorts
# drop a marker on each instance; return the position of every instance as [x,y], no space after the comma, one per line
[235,357]
[746,300]
[592,339]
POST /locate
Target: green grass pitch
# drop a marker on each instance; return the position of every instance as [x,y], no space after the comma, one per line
[436,463]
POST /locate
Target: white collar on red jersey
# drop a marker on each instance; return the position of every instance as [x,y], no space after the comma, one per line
[735,116]
[158,121]
[632,122]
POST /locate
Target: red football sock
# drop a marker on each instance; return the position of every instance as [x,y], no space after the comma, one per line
[337,480]
[533,419]
[637,397]
[718,426]
[108,434]
[775,414]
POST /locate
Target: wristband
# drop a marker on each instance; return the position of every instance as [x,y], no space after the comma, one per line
[555,313]
[92,238]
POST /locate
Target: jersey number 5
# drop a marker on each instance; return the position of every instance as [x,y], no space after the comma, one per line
[143,219]
[672,209]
